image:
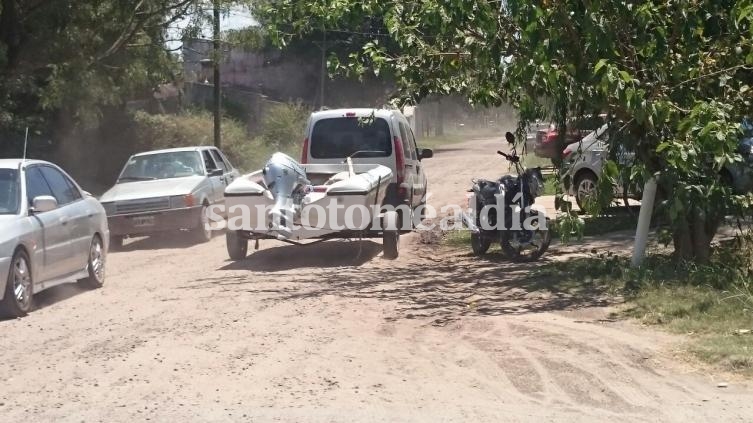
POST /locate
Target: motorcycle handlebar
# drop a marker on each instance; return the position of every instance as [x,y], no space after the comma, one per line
[512,158]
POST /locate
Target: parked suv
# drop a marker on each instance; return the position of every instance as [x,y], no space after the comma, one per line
[373,136]
[583,162]
[167,190]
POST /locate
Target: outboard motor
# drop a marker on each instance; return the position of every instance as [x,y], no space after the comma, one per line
[286,181]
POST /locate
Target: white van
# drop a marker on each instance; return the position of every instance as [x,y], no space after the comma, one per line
[371,136]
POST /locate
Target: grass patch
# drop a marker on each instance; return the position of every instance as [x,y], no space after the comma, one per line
[712,304]
[719,323]
[600,225]
[457,239]
[550,185]
[532,160]
[620,220]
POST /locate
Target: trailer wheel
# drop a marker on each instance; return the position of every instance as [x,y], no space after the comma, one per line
[237,246]
[390,235]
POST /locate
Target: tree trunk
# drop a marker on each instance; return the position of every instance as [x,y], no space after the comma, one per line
[693,235]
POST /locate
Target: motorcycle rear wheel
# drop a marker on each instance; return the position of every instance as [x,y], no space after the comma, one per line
[479,244]
[538,245]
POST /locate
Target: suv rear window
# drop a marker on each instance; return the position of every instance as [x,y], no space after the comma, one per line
[337,138]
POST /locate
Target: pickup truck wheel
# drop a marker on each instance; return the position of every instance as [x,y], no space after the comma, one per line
[19,288]
[95,265]
[237,246]
[203,232]
[390,236]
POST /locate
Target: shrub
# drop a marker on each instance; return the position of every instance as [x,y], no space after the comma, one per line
[196,127]
[283,125]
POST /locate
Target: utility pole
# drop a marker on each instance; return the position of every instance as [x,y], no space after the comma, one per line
[217,92]
[324,69]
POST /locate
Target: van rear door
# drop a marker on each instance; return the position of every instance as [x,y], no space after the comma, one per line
[333,139]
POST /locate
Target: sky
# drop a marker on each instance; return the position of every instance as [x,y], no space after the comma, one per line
[238,17]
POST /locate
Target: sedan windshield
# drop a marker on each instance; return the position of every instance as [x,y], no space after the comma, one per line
[9,191]
[176,164]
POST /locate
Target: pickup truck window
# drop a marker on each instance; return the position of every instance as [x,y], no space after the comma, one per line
[337,138]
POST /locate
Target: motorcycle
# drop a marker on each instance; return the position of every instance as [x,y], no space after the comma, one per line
[501,211]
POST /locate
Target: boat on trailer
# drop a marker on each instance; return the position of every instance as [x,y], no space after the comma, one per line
[293,203]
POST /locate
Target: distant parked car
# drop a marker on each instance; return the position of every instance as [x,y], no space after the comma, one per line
[52,232]
[584,160]
[548,143]
[167,190]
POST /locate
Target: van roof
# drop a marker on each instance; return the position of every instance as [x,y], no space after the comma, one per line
[355,112]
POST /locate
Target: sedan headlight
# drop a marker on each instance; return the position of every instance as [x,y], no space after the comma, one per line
[182,201]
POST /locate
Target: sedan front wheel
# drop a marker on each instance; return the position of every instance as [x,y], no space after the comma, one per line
[203,232]
[19,287]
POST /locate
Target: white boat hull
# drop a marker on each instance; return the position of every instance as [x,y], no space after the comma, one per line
[349,202]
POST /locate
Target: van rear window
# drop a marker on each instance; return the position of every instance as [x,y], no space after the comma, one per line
[337,138]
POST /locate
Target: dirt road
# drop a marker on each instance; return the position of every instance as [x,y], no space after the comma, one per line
[335,333]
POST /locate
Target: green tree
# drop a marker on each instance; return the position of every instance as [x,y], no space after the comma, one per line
[63,62]
[75,56]
[673,76]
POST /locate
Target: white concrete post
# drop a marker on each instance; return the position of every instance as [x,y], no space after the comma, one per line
[644,222]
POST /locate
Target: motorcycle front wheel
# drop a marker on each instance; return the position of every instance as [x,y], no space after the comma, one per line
[479,244]
[523,246]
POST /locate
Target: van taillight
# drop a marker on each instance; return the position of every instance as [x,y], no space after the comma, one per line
[399,160]
[305,153]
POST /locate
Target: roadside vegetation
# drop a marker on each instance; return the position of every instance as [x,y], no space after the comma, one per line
[281,130]
[711,303]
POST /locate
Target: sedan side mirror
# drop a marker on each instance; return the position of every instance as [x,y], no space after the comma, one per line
[43,203]
[510,137]
[425,153]
[216,172]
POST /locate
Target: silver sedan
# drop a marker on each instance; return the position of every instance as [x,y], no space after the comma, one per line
[51,232]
